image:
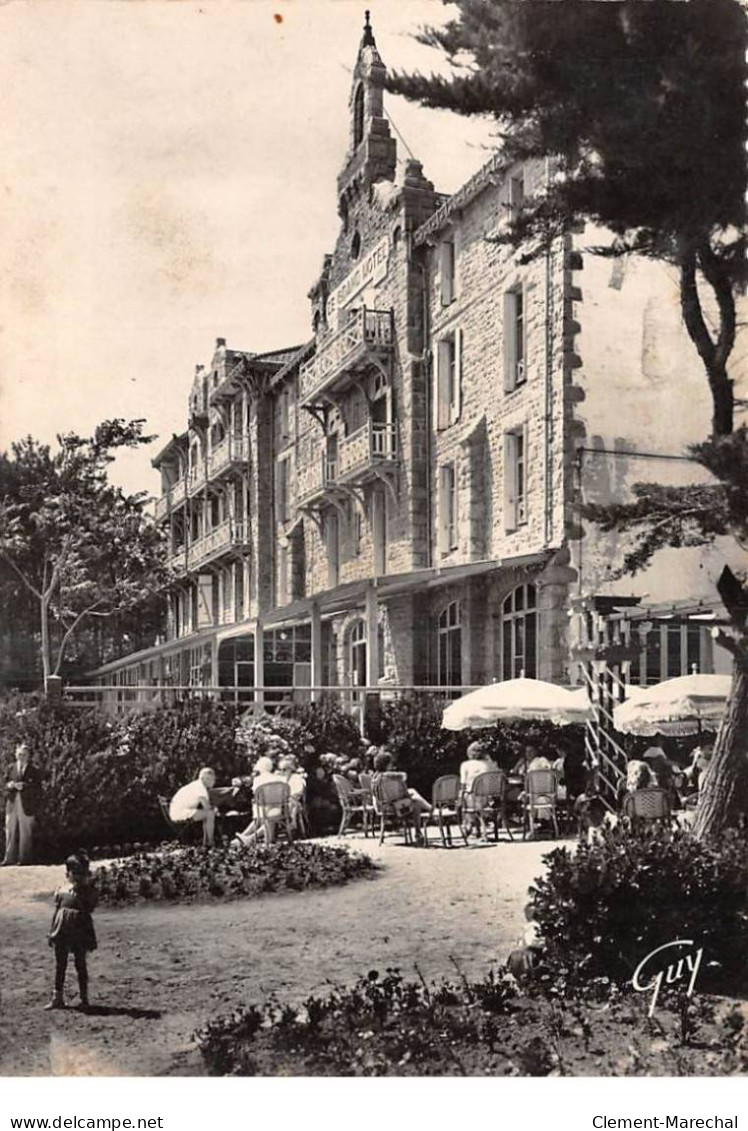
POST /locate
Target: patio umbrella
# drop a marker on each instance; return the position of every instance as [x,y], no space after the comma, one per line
[685,705]
[532,699]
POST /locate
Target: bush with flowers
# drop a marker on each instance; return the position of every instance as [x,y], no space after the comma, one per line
[175,874]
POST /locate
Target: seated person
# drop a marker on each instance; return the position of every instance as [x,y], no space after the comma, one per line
[192,803]
[537,761]
[478,761]
[592,817]
[264,774]
[638,776]
[288,768]
[664,771]
[526,956]
[696,771]
[413,804]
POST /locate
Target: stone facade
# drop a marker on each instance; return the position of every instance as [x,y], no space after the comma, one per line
[395,502]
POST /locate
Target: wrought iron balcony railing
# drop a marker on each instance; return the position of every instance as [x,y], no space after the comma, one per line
[366,332]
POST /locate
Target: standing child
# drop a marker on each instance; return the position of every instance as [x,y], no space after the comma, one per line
[72,930]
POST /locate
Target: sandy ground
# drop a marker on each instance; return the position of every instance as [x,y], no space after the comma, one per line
[161,971]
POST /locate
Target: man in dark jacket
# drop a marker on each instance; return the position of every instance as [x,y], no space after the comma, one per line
[22,795]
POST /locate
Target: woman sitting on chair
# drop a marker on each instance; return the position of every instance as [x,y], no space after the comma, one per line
[264,774]
[413,803]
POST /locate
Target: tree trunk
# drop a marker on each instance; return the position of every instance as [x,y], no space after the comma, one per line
[46,660]
[724,797]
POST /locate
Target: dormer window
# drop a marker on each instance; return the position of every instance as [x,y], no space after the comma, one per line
[358,116]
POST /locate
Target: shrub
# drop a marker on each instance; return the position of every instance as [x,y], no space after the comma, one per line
[183,874]
[101,777]
[412,731]
[383,1025]
[602,909]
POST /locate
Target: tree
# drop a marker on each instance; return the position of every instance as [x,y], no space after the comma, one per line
[640,108]
[81,550]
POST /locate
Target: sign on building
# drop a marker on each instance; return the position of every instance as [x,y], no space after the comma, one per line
[370,271]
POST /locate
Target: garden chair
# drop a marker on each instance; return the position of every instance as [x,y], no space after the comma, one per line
[445,809]
[272,807]
[647,806]
[180,829]
[367,797]
[541,799]
[353,804]
[389,795]
[487,798]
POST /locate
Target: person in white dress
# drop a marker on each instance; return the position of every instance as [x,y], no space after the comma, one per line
[192,803]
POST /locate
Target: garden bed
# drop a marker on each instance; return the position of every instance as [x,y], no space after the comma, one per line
[187,874]
[385,1025]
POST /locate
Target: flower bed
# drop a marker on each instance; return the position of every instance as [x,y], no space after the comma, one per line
[387,1026]
[186,874]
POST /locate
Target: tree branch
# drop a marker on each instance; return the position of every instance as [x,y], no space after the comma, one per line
[22,576]
[67,635]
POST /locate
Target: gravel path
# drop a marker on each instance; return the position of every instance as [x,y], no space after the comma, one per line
[162,970]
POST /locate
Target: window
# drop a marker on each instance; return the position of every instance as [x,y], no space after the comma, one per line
[332,540]
[515,368]
[448,392]
[283,556]
[447,271]
[670,648]
[282,468]
[284,412]
[379,531]
[449,656]
[447,508]
[515,478]
[358,116]
[357,643]
[357,529]
[356,245]
[519,634]
[516,193]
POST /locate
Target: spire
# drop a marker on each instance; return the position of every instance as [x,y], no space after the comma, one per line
[368,40]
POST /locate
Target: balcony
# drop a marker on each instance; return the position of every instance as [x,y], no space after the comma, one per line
[170,499]
[314,480]
[227,537]
[177,492]
[161,509]
[370,447]
[196,477]
[367,334]
[178,562]
[230,451]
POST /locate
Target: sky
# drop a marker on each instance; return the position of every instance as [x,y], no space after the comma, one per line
[168,177]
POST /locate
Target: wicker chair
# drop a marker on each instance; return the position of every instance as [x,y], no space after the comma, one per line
[541,799]
[272,809]
[367,799]
[180,829]
[486,799]
[352,803]
[647,806]
[390,795]
[445,809]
